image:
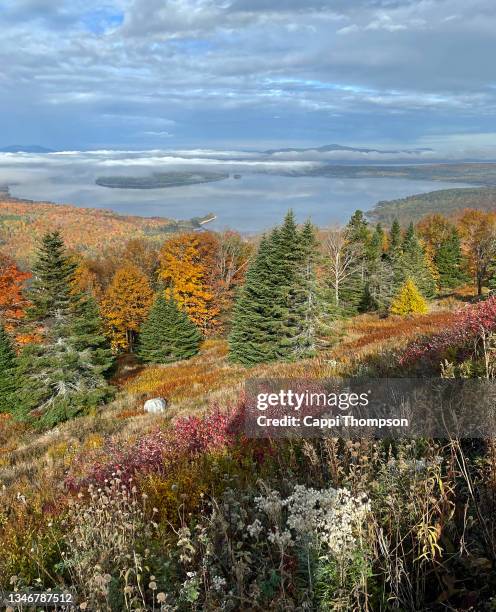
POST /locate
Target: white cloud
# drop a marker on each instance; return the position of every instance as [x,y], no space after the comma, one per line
[384,22]
[210,67]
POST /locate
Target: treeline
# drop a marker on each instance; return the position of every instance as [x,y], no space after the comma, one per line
[64,322]
[442,201]
[300,280]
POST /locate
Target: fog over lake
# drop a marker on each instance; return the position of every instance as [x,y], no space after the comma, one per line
[255,201]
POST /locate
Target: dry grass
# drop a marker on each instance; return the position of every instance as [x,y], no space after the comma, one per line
[369,334]
[193,386]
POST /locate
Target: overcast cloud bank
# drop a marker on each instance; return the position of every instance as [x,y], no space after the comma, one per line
[130,74]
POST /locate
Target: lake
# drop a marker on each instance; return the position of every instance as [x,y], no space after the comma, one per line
[250,203]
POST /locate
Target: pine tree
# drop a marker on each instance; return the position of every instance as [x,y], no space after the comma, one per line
[7,372]
[449,261]
[168,334]
[62,376]
[408,300]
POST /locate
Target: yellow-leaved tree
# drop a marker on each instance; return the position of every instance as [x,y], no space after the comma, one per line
[125,306]
[186,263]
[408,300]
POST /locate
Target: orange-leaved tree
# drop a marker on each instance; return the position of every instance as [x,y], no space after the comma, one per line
[478,232]
[125,306]
[13,304]
[228,272]
[186,263]
[85,279]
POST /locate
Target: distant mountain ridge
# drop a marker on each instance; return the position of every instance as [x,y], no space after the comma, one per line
[25,149]
[338,147]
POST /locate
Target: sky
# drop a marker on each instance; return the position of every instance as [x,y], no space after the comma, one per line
[249,74]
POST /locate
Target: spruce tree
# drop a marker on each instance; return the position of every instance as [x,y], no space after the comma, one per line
[168,334]
[266,318]
[395,238]
[254,330]
[379,284]
[353,289]
[358,228]
[380,287]
[449,261]
[50,291]
[63,375]
[413,264]
[312,325]
[88,337]
[7,372]
[289,283]
[375,245]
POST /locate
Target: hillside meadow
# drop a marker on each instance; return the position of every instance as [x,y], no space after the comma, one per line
[182,510]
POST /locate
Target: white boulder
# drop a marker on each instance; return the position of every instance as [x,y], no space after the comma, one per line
[155,405]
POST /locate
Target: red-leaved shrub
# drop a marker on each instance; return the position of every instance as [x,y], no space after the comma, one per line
[460,335]
[153,452]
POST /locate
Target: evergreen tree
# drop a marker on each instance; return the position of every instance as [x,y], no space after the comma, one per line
[306,311]
[395,238]
[7,372]
[88,337]
[274,314]
[379,279]
[375,245]
[408,300]
[358,228]
[353,289]
[168,334]
[413,263]
[381,286]
[254,330]
[449,261]
[51,292]
[63,375]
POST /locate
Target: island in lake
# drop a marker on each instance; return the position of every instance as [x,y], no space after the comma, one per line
[159,180]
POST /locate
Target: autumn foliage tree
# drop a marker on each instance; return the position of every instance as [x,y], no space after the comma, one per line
[230,264]
[478,233]
[186,263]
[408,301]
[85,279]
[13,303]
[125,306]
